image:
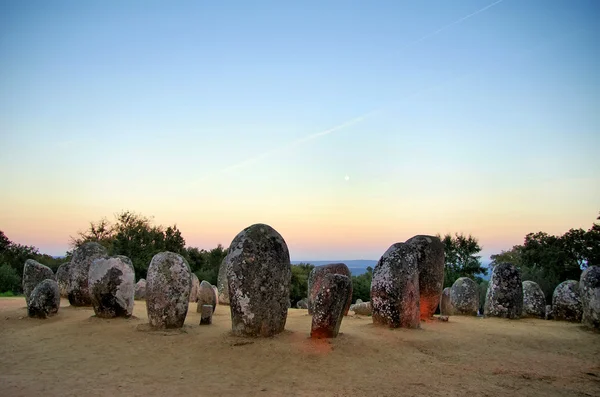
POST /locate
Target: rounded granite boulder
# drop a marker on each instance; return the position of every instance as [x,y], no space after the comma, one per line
[78,290]
[195,288]
[62,278]
[362,308]
[44,300]
[112,287]
[33,274]
[446,302]
[329,304]
[589,287]
[431,261]
[464,297]
[504,297]
[206,296]
[315,278]
[534,301]
[259,274]
[168,286]
[566,302]
[140,289]
[395,288]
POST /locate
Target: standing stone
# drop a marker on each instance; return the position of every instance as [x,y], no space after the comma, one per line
[206,296]
[534,301]
[112,287]
[329,303]
[589,286]
[363,309]
[395,288]
[504,297]
[168,290]
[315,278]
[140,289]
[78,290]
[195,288]
[44,300]
[566,302]
[62,278]
[222,284]
[258,273]
[446,302]
[358,301]
[549,315]
[431,261]
[464,297]
[206,314]
[33,274]
[216,297]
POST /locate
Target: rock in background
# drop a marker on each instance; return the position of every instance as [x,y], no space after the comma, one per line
[534,301]
[504,296]
[302,304]
[78,290]
[464,297]
[446,303]
[195,288]
[33,274]
[431,261]
[549,315]
[566,302]
[258,273]
[315,279]
[140,289]
[395,288]
[44,300]
[206,296]
[62,278]
[206,314]
[329,303]
[112,287]
[589,287]
[363,308]
[168,286]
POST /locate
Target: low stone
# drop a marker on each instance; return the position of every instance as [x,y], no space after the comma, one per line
[464,297]
[62,278]
[363,309]
[78,290]
[329,304]
[33,274]
[44,300]
[112,287]
[589,287]
[430,261]
[206,296]
[446,302]
[549,315]
[443,318]
[195,288]
[315,278]
[566,302]
[504,297]
[302,304]
[206,314]
[140,289]
[534,301]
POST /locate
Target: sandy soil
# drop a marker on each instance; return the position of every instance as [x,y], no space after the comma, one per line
[76,354]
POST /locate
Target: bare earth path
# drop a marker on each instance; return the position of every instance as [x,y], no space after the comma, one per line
[76,354]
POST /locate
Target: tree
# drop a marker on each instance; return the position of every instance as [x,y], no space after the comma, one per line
[361,286]
[461,257]
[299,281]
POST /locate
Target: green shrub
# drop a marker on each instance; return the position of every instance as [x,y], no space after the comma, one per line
[9,279]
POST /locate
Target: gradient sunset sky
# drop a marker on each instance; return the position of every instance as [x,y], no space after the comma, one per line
[347,126]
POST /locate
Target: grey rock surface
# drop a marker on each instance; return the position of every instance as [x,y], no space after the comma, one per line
[504,297]
[589,287]
[534,301]
[206,296]
[44,300]
[33,274]
[78,290]
[464,297]
[315,279]
[62,278]
[446,303]
[206,313]
[329,303]
[363,308]
[112,287]
[302,304]
[195,288]
[431,261]
[566,302]
[140,289]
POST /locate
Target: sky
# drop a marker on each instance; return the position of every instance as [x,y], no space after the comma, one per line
[346,126]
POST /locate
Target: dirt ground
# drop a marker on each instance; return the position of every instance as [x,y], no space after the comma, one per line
[77,354]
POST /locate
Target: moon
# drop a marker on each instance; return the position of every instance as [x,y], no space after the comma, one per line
[347,178]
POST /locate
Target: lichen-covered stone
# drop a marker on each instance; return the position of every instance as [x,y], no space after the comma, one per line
[589,287]
[395,288]
[258,273]
[504,297]
[549,315]
[222,284]
[329,303]
[33,274]
[62,278]
[431,260]
[168,286]
[78,290]
[302,304]
[214,287]
[446,302]
[464,297]
[363,308]
[358,301]
[315,279]
[566,302]
[44,300]
[140,289]
[195,288]
[206,296]
[112,287]
[206,314]
[534,301]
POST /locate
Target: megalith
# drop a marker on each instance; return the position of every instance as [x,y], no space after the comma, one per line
[112,287]
[78,290]
[62,278]
[315,278]
[504,297]
[534,301]
[446,302]
[430,261]
[464,297]
[33,274]
[44,300]
[566,302]
[589,287]
[329,304]
[206,296]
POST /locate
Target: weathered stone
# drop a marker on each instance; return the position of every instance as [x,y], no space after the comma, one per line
[534,301]
[302,304]
[464,297]
[222,284]
[589,287]
[206,296]
[78,290]
[395,288]
[62,278]
[549,315]
[315,279]
[446,302]
[112,287]
[44,300]
[195,288]
[216,296]
[359,301]
[566,302]
[431,260]
[206,314]
[504,297]
[258,273]
[363,309]
[140,289]
[168,289]
[329,303]
[33,274]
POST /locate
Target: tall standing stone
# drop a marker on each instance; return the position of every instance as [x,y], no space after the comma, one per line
[44,300]
[534,301]
[329,303]
[589,287]
[504,297]
[168,286]
[78,290]
[446,303]
[316,277]
[395,288]
[464,297]
[33,274]
[258,273]
[566,302]
[112,287]
[206,296]
[431,260]
[62,278]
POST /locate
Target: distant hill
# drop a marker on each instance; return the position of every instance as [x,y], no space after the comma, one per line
[356,266]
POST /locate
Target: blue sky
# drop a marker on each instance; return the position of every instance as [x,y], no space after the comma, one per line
[486,119]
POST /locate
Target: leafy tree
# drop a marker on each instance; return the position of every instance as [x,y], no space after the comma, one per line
[361,286]
[205,264]
[483,286]
[9,279]
[461,257]
[299,282]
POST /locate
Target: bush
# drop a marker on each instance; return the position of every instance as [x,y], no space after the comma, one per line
[9,279]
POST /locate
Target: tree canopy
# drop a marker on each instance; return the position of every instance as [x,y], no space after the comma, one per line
[461,257]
